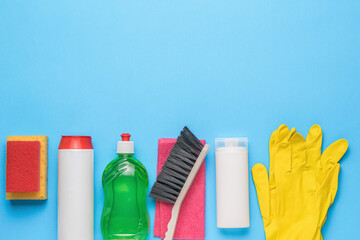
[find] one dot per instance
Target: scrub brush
(178, 173)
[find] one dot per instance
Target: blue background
(226, 68)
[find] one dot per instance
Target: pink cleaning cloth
(191, 221)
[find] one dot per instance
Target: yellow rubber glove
(302, 184)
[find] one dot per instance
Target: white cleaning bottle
(232, 182)
(76, 188)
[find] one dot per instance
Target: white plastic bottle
(232, 182)
(75, 188)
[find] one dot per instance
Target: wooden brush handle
(176, 208)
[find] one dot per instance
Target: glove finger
(292, 132)
(272, 158)
(283, 134)
(282, 163)
(273, 144)
(313, 145)
(333, 154)
(328, 191)
(298, 155)
(261, 181)
(282, 138)
(334, 182)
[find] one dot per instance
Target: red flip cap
(125, 137)
(75, 142)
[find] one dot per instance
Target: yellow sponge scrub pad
(41, 194)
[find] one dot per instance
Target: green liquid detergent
(125, 183)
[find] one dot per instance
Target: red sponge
(23, 166)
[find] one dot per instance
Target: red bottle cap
(75, 142)
(125, 137)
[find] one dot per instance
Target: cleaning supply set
(302, 184)
(294, 198)
(125, 181)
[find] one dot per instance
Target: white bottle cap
(230, 144)
(125, 146)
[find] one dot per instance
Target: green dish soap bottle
(125, 181)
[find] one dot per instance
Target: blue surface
(226, 68)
